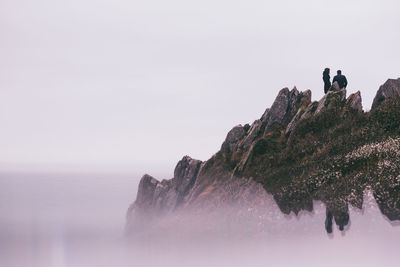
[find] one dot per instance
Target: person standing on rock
(341, 80)
(327, 80)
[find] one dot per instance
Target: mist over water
(78, 220)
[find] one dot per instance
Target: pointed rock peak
(264, 116)
(148, 179)
(283, 91)
(307, 94)
(285, 107)
(233, 138)
(389, 90)
(354, 101)
(185, 173)
(294, 91)
(146, 190)
(185, 163)
(185, 158)
(304, 101)
(304, 98)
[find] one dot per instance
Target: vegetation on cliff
(300, 151)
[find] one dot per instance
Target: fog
(53, 219)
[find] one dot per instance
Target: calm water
(78, 220)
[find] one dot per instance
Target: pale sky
(136, 85)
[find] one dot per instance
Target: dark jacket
(327, 81)
(341, 80)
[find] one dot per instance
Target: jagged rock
(390, 89)
(354, 101)
(233, 138)
(305, 103)
(279, 109)
(285, 107)
(253, 133)
(315, 107)
(264, 115)
(185, 174)
(160, 191)
(305, 99)
(331, 160)
(165, 196)
(147, 187)
(310, 110)
(330, 99)
(334, 87)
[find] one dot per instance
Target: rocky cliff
(299, 151)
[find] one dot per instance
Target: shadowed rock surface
(232, 139)
(354, 101)
(299, 152)
(389, 90)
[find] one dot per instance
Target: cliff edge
(298, 151)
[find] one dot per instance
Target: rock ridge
(298, 151)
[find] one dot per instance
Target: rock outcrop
(298, 151)
(185, 174)
(165, 196)
(354, 101)
(285, 107)
(253, 133)
(233, 138)
(389, 90)
(330, 100)
(147, 187)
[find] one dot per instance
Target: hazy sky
(136, 85)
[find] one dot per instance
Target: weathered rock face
(185, 175)
(164, 196)
(328, 101)
(253, 133)
(285, 107)
(297, 151)
(233, 138)
(141, 211)
(354, 101)
(389, 90)
(147, 187)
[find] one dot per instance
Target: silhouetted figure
(328, 221)
(327, 80)
(342, 219)
(340, 79)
